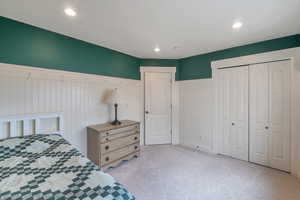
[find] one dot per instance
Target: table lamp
(112, 97)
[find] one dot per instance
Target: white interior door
(158, 111)
(234, 96)
(259, 113)
(270, 114)
(279, 112)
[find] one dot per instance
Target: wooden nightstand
(109, 145)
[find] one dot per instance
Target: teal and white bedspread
(48, 167)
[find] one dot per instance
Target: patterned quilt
(48, 167)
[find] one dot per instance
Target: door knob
(266, 127)
(232, 124)
(147, 112)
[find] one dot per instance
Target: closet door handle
(266, 127)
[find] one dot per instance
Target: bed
(46, 166)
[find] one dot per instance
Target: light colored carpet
(175, 173)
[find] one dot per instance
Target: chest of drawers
(109, 145)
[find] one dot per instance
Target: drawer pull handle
(136, 126)
(107, 133)
(107, 139)
(135, 147)
(135, 138)
(107, 159)
(106, 147)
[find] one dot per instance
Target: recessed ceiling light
(237, 25)
(70, 12)
(157, 49)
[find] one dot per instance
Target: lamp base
(116, 122)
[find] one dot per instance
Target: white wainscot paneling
(196, 113)
(27, 90)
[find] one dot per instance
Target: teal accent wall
(23, 44)
(162, 63)
(198, 67)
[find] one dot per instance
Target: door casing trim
(174, 102)
(291, 54)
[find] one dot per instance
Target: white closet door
(158, 108)
(239, 112)
(234, 95)
(279, 112)
(259, 113)
(270, 114)
(224, 103)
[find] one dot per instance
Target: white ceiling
(136, 27)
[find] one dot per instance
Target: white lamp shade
(111, 96)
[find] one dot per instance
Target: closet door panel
(233, 93)
(279, 112)
(239, 112)
(224, 88)
(259, 97)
